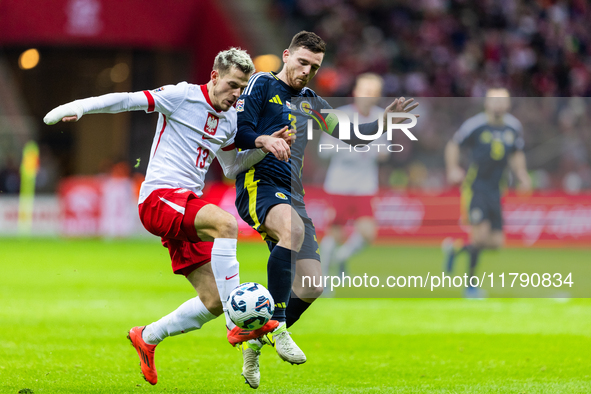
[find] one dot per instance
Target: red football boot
(146, 354)
(238, 335)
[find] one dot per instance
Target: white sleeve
(111, 103)
(114, 103)
(164, 100)
(167, 99)
(234, 162)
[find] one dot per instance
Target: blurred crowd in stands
(450, 48)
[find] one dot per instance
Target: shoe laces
(285, 335)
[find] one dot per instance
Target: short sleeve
(250, 104)
(166, 99)
(464, 135)
(518, 127)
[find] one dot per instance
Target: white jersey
(189, 135)
(352, 173)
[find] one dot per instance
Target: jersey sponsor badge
(158, 90)
(305, 107)
(240, 105)
(288, 105)
(281, 196)
(211, 124)
(486, 137)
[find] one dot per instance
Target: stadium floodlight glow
(266, 63)
(119, 72)
(28, 59)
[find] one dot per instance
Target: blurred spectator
(10, 177)
(454, 47)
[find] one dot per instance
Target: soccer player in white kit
(196, 123)
(352, 180)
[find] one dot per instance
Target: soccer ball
(250, 306)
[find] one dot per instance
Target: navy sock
(280, 273)
(465, 248)
(295, 308)
(474, 253)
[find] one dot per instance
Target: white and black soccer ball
(250, 306)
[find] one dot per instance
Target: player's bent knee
(298, 231)
(227, 227)
(479, 241)
(498, 244)
(312, 292)
(213, 304)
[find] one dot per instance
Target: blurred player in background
(196, 124)
(495, 139)
(270, 195)
(351, 181)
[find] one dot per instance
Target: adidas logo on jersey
(276, 100)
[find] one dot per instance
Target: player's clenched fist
(66, 113)
(277, 143)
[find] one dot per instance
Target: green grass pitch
(66, 306)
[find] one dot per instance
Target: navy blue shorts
(486, 206)
(254, 199)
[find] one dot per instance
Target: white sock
(327, 248)
(353, 245)
(190, 316)
(226, 271)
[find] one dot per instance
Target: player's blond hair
(233, 57)
(497, 92)
(369, 77)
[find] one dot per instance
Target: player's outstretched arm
(455, 173)
(69, 112)
(111, 103)
(519, 168)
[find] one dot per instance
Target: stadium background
(429, 48)
(424, 49)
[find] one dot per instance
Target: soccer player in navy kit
(269, 196)
(495, 139)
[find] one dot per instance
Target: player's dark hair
(310, 41)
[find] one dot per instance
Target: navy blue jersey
(490, 147)
(265, 107)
